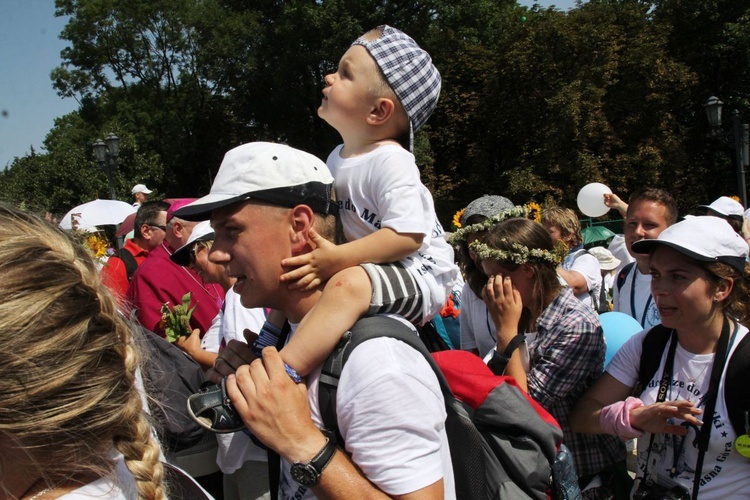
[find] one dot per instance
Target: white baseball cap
(141, 188)
(269, 172)
(201, 232)
(726, 206)
(704, 238)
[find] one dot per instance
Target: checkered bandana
(408, 70)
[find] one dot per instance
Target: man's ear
(381, 112)
(302, 218)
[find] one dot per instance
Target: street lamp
(739, 138)
(106, 153)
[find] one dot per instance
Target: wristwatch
(308, 473)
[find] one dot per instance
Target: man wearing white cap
(266, 204)
(140, 193)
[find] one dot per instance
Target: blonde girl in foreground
(71, 419)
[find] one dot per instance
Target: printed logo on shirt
(367, 216)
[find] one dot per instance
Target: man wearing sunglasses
(149, 229)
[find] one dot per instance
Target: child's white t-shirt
(382, 189)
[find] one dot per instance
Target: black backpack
(170, 376)
(503, 444)
(736, 386)
(130, 263)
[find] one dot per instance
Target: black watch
(308, 473)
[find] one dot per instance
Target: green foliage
(535, 102)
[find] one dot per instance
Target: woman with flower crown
(564, 338)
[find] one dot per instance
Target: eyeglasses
(163, 228)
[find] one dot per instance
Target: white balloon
(591, 199)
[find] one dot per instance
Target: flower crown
(519, 254)
(518, 211)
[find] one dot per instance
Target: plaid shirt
(567, 356)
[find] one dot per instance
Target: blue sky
(29, 50)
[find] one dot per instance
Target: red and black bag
(503, 443)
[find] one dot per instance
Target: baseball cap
(607, 261)
(703, 238)
(140, 188)
(269, 172)
(409, 71)
(201, 232)
(488, 205)
(726, 206)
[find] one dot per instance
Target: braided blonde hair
(67, 361)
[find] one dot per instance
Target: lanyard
(642, 321)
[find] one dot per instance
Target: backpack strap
(654, 344)
(622, 276)
(736, 387)
(130, 263)
(365, 329)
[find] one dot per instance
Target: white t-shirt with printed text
(382, 189)
(726, 474)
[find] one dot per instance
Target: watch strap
(324, 456)
(499, 362)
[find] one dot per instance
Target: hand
(504, 304)
(234, 355)
(654, 418)
(313, 268)
(190, 344)
(274, 408)
(613, 201)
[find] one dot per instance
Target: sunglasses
(163, 228)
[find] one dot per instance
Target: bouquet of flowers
(176, 321)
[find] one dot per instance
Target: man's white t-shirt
(382, 189)
(391, 413)
(237, 448)
(646, 313)
(725, 472)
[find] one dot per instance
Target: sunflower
(97, 245)
(535, 210)
(457, 218)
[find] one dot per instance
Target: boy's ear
(381, 111)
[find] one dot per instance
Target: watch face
(305, 474)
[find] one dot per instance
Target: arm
(574, 279)
(585, 417)
(277, 412)
(504, 304)
(313, 268)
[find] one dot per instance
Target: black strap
(364, 330)
(274, 459)
(654, 344)
(704, 437)
(623, 275)
(499, 362)
(127, 258)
